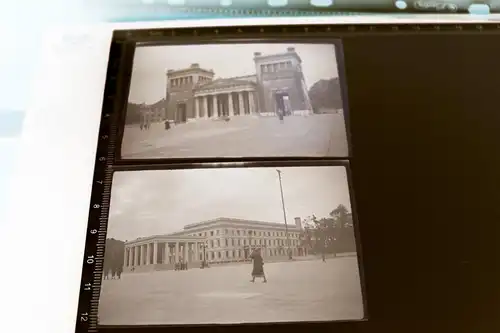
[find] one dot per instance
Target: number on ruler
(96, 206)
(102, 159)
(84, 316)
(93, 231)
(90, 260)
(104, 137)
(99, 182)
(87, 286)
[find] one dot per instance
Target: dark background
(424, 116)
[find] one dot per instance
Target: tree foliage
(114, 255)
(332, 234)
(133, 115)
(326, 94)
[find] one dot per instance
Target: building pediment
(224, 83)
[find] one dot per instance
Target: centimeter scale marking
(87, 317)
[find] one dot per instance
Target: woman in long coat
(258, 266)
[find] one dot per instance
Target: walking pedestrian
(258, 266)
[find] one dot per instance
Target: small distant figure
(113, 274)
(167, 125)
(119, 272)
(133, 268)
(281, 116)
(142, 126)
(258, 266)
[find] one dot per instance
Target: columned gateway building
(278, 84)
(222, 240)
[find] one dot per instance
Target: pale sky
(147, 203)
(227, 60)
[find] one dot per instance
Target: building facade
(223, 240)
(278, 84)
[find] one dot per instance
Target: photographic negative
(235, 100)
(230, 245)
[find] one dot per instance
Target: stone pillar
(205, 107)
(155, 253)
(186, 252)
(241, 103)
(125, 257)
(144, 251)
(136, 255)
(197, 251)
(148, 254)
(251, 101)
(214, 106)
(230, 104)
(130, 257)
(176, 252)
(166, 254)
(197, 107)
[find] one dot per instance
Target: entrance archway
(282, 102)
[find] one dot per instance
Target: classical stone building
(221, 240)
(278, 84)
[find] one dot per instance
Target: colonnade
(162, 253)
(219, 100)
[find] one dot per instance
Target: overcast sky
(146, 203)
(152, 62)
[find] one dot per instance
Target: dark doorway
(282, 102)
(181, 114)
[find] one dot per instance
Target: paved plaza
(296, 291)
(315, 135)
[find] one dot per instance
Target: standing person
(119, 272)
(258, 265)
(281, 116)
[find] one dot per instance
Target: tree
(332, 234)
(133, 114)
(113, 255)
(326, 95)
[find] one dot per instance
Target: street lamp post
(284, 215)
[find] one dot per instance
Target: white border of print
(49, 204)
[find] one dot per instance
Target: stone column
(144, 249)
(148, 254)
(197, 107)
(241, 103)
(205, 107)
(214, 106)
(251, 101)
(166, 254)
(155, 253)
(186, 252)
(136, 255)
(230, 106)
(197, 251)
(176, 252)
(130, 257)
(125, 257)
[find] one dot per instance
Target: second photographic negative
(221, 246)
(235, 100)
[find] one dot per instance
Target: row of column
(203, 101)
(147, 254)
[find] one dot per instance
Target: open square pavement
(315, 135)
(296, 291)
